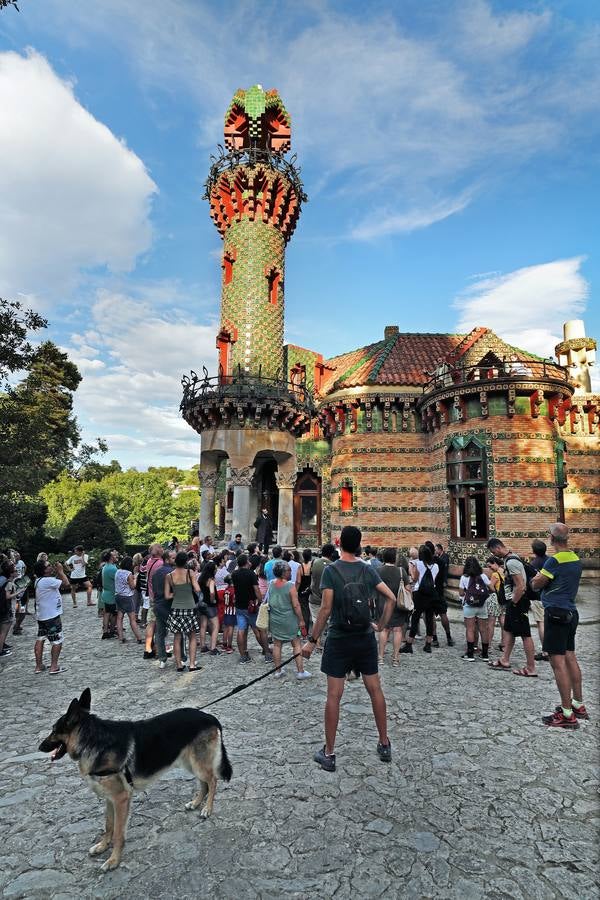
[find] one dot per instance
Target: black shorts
(559, 637)
(110, 608)
(440, 606)
(516, 621)
(77, 582)
(355, 652)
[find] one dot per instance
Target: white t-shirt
(48, 598)
(421, 567)
(294, 566)
(78, 563)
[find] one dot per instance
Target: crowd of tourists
(348, 605)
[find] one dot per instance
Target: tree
(5, 3)
(16, 353)
(92, 527)
(38, 437)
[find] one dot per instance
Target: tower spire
(248, 413)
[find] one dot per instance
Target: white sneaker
(162, 664)
(302, 675)
(279, 673)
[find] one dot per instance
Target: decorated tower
(248, 414)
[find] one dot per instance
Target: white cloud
(529, 306)
(133, 397)
(381, 223)
(74, 196)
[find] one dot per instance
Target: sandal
(525, 673)
(182, 669)
(498, 665)
(193, 669)
(55, 671)
(39, 671)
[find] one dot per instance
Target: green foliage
(92, 526)
(37, 439)
(141, 503)
(15, 320)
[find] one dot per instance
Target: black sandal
(182, 669)
(195, 669)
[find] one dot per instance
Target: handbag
(404, 599)
(262, 619)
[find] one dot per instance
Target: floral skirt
(493, 607)
(183, 621)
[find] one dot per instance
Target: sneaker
(215, 652)
(406, 649)
(7, 646)
(468, 658)
(149, 654)
(279, 673)
(427, 648)
(580, 713)
(541, 657)
(227, 649)
(436, 643)
(326, 762)
(384, 751)
(302, 675)
(559, 720)
(6, 651)
(246, 658)
(451, 642)
(204, 649)
(162, 664)
(268, 657)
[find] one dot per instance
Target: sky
(449, 151)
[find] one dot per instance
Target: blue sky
(449, 151)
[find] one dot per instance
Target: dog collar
(105, 772)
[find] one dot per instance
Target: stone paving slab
(480, 800)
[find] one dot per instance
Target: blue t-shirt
(564, 571)
(269, 568)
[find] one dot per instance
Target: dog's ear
(72, 714)
(85, 701)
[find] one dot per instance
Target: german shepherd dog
(117, 758)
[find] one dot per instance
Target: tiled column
(241, 479)
(208, 486)
(285, 511)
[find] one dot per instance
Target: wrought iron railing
(254, 156)
(446, 376)
(243, 386)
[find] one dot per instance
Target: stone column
(285, 510)
(241, 479)
(208, 486)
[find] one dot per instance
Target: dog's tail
(225, 768)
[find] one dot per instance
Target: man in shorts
(247, 600)
(314, 600)
(77, 575)
(516, 619)
(49, 580)
(349, 650)
(559, 582)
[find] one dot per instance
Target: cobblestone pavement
(480, 799)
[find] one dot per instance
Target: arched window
(466, 476)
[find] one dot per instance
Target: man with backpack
(346, 589)
(517, 575)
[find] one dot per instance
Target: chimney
(390, 331)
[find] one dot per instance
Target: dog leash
(242, 687)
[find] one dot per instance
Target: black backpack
(427, 592)
(476, 592)
(355, 610)
(530, 572)
(501, 593)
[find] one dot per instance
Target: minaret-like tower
(249, 414)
